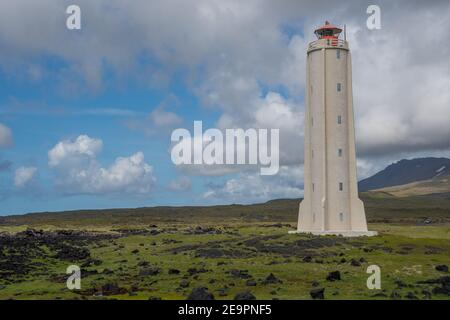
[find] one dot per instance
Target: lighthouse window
(313, 187)
(339, 119)
(341, 186)
(312, 121)
(338, 54)
(341, 216)
(312, 153)
(340, 152)
(338, 87)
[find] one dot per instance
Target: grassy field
(164, 253)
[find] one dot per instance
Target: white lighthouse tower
(331, 204)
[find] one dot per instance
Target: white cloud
(273, 112)
(78, 172)
(6, 137)
(183, 183)
(159, 120)
(162, 119)
(252, 187)
(233, 52)
(67, 150)
(23, 176)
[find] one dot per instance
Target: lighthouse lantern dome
(327, 31)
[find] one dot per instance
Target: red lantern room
(328, 31)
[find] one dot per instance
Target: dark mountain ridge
(407, 171)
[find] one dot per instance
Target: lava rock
(72, 253)
(271, 279)
(150, 271)
(317, 294)
(111, 289)
(200, 293)
(194, 271)
(247, 295)
(395, 295)
(250, 283)
(442, 268)
(334, 275)
(411, 296)
(355, 263)
(174, 271)
(184, 283)
(243, 274)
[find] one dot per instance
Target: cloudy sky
(86, 115)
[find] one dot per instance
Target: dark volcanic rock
(355, 263)
(247, 295)
(149, 271)
(443, 281)
(400, 284)
(200, 293)
(25, 247)
(243, 274)
(221, 253)
(426, 294)
(184, 283)
(396, 295)
(442, 290)
(89, 262)
(379, 294)
(442, 268)
(111, 289)
(72, 253)
(411, 296)
(250, 283)
(203, 230)
(222, 292)
(317, 293)
(174, 271)
(334, 275)
(194, 271)
(271, 279)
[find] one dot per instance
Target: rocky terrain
(230, 261)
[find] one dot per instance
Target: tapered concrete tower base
(331, 205)
(338, 233)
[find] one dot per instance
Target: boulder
(334, 275)
(247, 295)
(442, 268)
(200, 293)
(317, 293)
(271, 279)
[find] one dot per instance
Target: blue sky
(40, 117)
(86, 115)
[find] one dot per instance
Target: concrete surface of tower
(331, 204)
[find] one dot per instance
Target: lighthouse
(331, 205)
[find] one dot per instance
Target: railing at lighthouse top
(332, 42)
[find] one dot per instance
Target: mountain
(419, 176)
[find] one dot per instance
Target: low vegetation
(226, 252)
